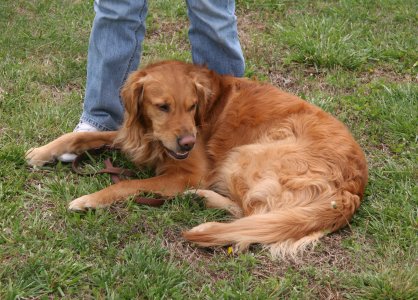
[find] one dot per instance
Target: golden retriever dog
(286, 170)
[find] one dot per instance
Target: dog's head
(167, 100)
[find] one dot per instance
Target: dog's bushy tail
(285, 232)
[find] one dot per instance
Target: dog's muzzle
(184, 145)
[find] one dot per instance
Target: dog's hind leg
(215, 200)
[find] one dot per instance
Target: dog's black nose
(186, 142)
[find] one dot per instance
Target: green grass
(355, 59)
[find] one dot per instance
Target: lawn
(357, 60)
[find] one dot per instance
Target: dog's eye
(193, 107)
(164, 107)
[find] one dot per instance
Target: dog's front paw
(82, 203)
(39, 156)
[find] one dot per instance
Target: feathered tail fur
(285, 232)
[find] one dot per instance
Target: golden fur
(288, 171)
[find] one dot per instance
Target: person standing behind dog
(116, 43)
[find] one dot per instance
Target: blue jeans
(115, 48)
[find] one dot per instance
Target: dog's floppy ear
(203, 81)
(132, 94)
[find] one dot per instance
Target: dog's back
(295, 171)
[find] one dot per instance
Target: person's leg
(114, 51)
(213, 35)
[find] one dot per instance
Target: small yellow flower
(230, 250)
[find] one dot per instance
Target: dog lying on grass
(286, 170)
